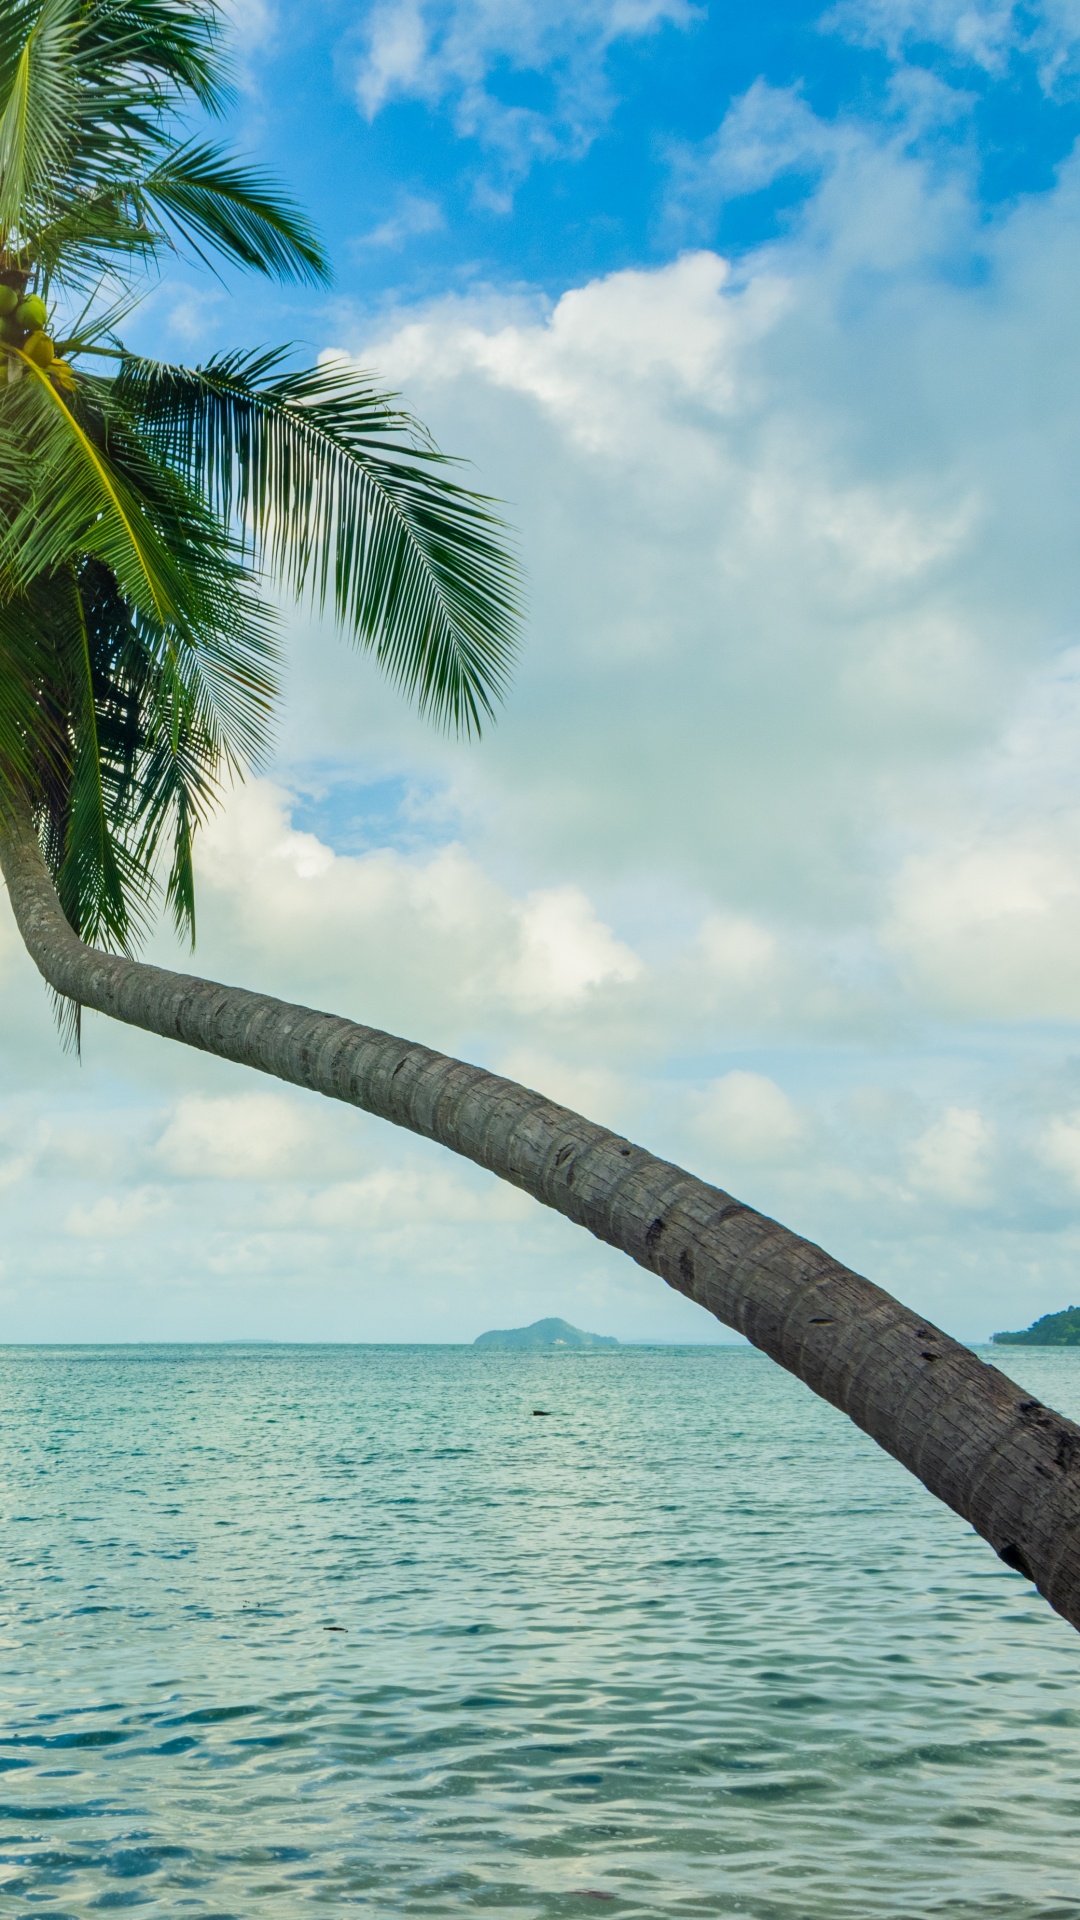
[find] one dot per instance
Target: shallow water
(690, 1645)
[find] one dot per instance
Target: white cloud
(746, 1117)
(950, 1159)
(1060, 1146)
(614, 362)
(253, 23)
(985, 916)
(993, 928)
(737, 951)
(396, 1199)
(243, 1136)
(767, 132)
(788, 777)
(566, 951)
(982, 33)
(116, 1215)
(413, 217)
(382, 929)
(444, 52)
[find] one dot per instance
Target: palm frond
(212, 201)
(76, 500)
(36, 84)
(100, 890)
(73, 244)
(181, 48)
(137, 657)
(31, 729)
(346, 502)
(90, 165)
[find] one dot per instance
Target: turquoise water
(690, 1645)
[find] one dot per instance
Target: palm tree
(142, 504)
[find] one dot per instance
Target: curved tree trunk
(1001, 1459)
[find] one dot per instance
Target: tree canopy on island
(1053, 1330)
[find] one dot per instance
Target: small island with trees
(1053, 1330)
(545, 1333)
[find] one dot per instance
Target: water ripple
(305, 1628)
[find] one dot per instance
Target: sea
(431, 1630)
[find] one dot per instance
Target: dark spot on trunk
(563, 1156)
(727, 1212)
(686, 1267)
(653, 1236)
(930, 1356)
(1013, 1558)
(1068, 1446)
(821, 1320)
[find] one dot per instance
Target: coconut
(9, 299)
(31, 312)
(39, 348)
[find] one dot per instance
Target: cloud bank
(772, 859)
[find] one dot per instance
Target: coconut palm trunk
(999, 1458)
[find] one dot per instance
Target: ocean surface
(352, 1629)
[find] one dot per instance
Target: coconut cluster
(22, 324)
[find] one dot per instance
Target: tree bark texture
(1008, 1464)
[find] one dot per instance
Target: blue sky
(539, 146)
(764, 325)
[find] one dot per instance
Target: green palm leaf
(137, 656)
(210, 200)
(179, 48)
(31, 726)
(76, 499)
(346, 503)
(36, 82)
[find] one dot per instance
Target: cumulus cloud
(985, 916)
(746, 1117)
(766, 133)
(950, 1160)
(243, 1136)
(385, 930)
(993, 927)
(115, 1215)
(773, 849)
(565, 951)
(1060, 1146)
(393, 1199)
(444, 52)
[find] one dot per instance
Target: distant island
(545, 1333)
(1053, 1330)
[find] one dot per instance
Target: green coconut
(31, 312)
(39, 348)
(9, 299)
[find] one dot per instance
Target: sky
(765, 325)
